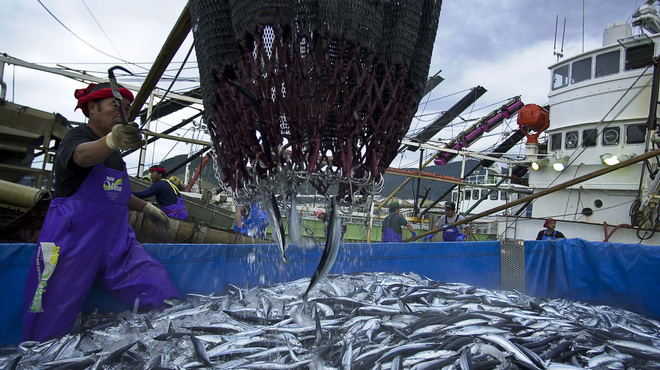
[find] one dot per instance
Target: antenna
(559, 54)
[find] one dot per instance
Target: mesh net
(320, 92)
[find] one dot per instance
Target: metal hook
(115, 91)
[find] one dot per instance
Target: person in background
(167, 194)
(251, 220)
(456, 233)
(86, 235)
(324, 217)
(392, 224)
(550, 233)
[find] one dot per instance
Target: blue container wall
(619, 275)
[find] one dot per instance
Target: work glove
(445, 227)
(414, 234)
(157, 217)
(125, 137)
(428, 237)
(460, 238)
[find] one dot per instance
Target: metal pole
(417, 206)
(146, 126)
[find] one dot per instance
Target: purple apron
(450, 234)
(176, 210)
(389, 235)
(87, 237)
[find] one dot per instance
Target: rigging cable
(80, 38)
(102, 30)
(169, 88)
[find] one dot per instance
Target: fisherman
(86, 235)
(455, 233)
(550, 233)
(324, 217)
(251, 220)
(167, 193)
(392, 225)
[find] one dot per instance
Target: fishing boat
(600, 128)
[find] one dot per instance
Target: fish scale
(467, 327)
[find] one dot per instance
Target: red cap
(545, 224)
(318, 213)
(95, 92)
(158, 168)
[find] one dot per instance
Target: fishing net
(317, 92)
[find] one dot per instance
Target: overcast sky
(505, 46)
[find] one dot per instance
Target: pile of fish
(359, 321)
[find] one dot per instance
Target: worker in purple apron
(452, 233)
(549, 233)
(167, 194)
(392, 225)
(86, 236)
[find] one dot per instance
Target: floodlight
(609, 159)
(540, 163)
(560, 164)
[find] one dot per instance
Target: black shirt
(556, 234)
(68, 175)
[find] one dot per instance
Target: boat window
(484, 192)
(589, 137)
(581, 70)
(571, 139)
(635, 134)
(493, 195)
(639, 57)
(468, 194)
(608, 63)
(560, 77)
(611, 136)
(475, 194)
(454, 196)
(503, 195)
(555, 142)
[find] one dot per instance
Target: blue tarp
(619, 275)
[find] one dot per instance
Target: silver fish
(295, 234)
(506, 344)
(637, 347)
(437, 333)
(200, 350)
(347, 357)
(330, 251)
(275, 220)
(71, 363)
